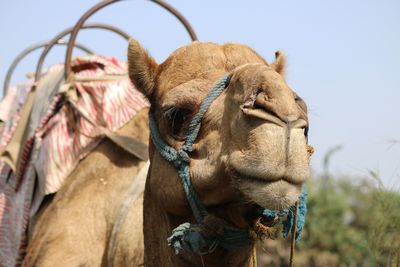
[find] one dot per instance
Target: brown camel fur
(74, 229)
(251, 150)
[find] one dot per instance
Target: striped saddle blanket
(59, 134)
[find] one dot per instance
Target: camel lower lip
(274, 194)
(267, 182)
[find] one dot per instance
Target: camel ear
(142, 68)
(280, 63)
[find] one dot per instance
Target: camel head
(252, 145)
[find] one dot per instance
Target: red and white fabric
(108, 98)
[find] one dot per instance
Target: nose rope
(288, 129)
(290, 215)
(195, 238)
(293, 241)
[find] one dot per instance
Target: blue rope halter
(186, 237)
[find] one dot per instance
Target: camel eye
(177, 120)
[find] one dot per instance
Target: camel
(250, 152)
(73, 227)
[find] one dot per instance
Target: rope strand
(189, 237)
(293, 241)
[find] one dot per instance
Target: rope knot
(185, 238)
(205, 237)
(183, 155)
(212, 226)
(187, 147)
(210, 232)
(289, 214)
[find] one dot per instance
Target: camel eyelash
(177, 118)
(170, 112)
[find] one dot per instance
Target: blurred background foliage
(351, 221)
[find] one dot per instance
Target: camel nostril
(264, 103)
(261, 96)
(250, 102)
(261, 100)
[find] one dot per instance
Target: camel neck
(158, 225)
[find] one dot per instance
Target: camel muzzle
(187, 237)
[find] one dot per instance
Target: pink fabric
(14, 206)
(110, 104)
(14, 218)
(59, 143)
(10, 108)
(14, 99)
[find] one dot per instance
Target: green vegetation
(355, 221)
(351, 222)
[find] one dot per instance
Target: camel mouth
(273, 194)
(264, 181)
(271, 117)
(263, 115)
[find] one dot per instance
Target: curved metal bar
(29, 50)
(94, 9)
(68, 31)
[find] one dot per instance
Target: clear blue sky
(344, 58)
